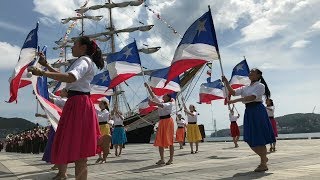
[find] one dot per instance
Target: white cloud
(10, 55)
(300, 44)
(12, 27)
(316, 26)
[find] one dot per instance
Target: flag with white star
(27, 54)
(145, 107)
(157, 80)
(124, 64)
(212, 91)
(240, 75)
(99, 85)
(198, 46)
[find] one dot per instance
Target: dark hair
(105, 103)
(271, 101)
(93, 51)
(267, 91)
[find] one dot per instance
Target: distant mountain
(14, 125)
(287, 124)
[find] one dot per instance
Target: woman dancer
(270, 111)
(181, 130)
(193, 131)
(234, 128)
(256, 125)
(119, 134)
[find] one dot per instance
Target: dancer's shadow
(217, 157)
(248, 175)
(184, 154)
(155, 166)
(229, 148)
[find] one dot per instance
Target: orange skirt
(180, 134)
(165, 132)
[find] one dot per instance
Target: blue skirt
(257, 129)
(119, 135)
(47, 151)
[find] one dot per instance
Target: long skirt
(193, 133)
(47, 151)
(257, 129)
(180, 134)
(104, 129)
(165, 133)
(119, 136)
(77, 133)
(274, 126)
(234, 128)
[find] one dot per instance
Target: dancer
(119, 134)
(257, 130)
(104, 117)
(78, 131)
(193, 131)
(270, 111)
(165, 131)
(234, 128)
(181, 130)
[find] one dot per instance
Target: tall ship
(139, 127)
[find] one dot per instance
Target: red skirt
(77, 133)
(234, 128)
(165, 132)
(180, 134)
(274, 126)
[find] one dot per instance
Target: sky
(282, 38)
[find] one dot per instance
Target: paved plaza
(294, 159)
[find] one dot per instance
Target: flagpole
(219, 58)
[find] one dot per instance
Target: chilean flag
(145, 107)
(124, 64)
(40, 88)
(198, 46)
(240, 75)
(212, 91)
(27, 54)
(157, 82)
(99, 85)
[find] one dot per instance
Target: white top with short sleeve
(59, 101)
(83, 71)
(181, 122)
(117, 120)
(257, 89)
(103, 116)
(193, 118)
(270, 111)
(166, 109)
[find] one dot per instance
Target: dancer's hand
(224, 79)
(42, 59)
(35, 71)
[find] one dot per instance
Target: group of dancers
(78, 134)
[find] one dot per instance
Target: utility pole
(215, 127)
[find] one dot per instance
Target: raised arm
(185, 107)
(226, 83)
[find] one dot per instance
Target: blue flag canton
(42, 87)
(163, 73)
(241, 69)
(215, 84)
(201, 31)
(32, 39)
(129, 54)
(102, 79)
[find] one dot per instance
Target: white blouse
(117, 120)
(181, 123)
(83, 71)
(233, 118)
(103, 116)
(193, 118)
(166, 110)
(59, 101)
(270, 111)
(257, 89)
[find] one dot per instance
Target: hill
(14, 125)
(288, 124)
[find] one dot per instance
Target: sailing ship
(139, 127)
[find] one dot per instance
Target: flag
(157, 80)
(27, 54)
(198, 46)
(124, 64)
(145, 107)
(240, 75)
(52, 111)
(212, 91)
(99, 85)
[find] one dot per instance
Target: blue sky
(282, 38)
